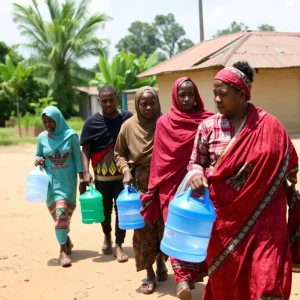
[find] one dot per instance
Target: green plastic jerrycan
(91, 203)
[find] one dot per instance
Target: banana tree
(122, 71)
(14, 79)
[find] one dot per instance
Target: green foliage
(75, 123)
(41, 104)
(31, 120)
(171, 35)
(142, 39)
(164, 35)
(233, 28)
(11, 51)
(266, 27)
(68, 36)
(122, 71)
(237, 27)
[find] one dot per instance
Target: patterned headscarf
(236, 79)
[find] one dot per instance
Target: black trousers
(110, 191)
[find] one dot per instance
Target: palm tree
(59, 43)
(14, 79)
(122, 71)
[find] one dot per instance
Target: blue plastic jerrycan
(129, 206)
(37, 185)
(188, 227)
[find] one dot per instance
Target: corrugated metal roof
(260, 49)
(90, 90)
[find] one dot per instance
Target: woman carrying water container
(58, 151)
(174, 136)
(246, 157)
(133, 152)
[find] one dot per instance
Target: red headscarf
(173, 144)
(235, 78)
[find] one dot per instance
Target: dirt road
(29, 268)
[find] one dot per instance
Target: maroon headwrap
(236, 79)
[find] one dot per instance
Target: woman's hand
(82, 188)
(87, 178)
(127, 179)
(39, 162)
(198, 183)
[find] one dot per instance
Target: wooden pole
(201, 21)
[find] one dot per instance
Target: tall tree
(68, 36)
(11, 51)
(142, 39)
(122, 71)
(266, 27)
(233, 28)
(15, 78)
(171, 35)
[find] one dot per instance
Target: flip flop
(66, 262)
(148, 287)
(161, 274)
(107, 249)
(183, 291)
(121, 257)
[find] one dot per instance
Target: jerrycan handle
(205, 197)
(128, 188)
(91, 188)
(40, 168)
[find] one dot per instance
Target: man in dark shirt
(98, 139)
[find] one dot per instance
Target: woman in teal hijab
(58, 151)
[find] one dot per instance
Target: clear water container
(37, 185)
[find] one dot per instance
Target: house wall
(95, 107)
(202, 79)
(84, 106)
(275, 90)
(131, 102)
(278, 92)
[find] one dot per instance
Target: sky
(218, 14)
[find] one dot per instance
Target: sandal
(161, 274)
(107, 249)
(183, 291)
(148, 287)
(121, 257)
(65, 262)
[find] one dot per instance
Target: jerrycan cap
(186, 205)
(129, 196)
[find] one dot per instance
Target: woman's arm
(76, 153)
(121, 156)
(39, 157)
(199, 160)
(86, 156)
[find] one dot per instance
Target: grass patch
(76, 123)
(9, 137)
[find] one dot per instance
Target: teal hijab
(62, 130)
